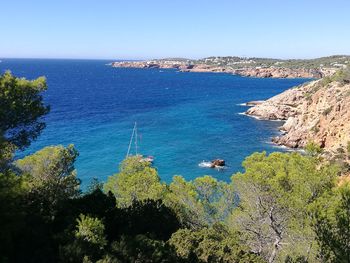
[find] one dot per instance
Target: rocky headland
(318, 111)
(258, 72)
(248, 67)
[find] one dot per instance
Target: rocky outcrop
(258, 72)
(318, 111)
(254, 103)
(146, 64)
(281, 72)
(280, 107)
(218, 163)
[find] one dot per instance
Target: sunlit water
(183, 118)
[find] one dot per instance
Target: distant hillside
(337, 61)
(249, 67)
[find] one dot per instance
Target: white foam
(286, 148)
(205, 164)
(258, 118)
(251, 116)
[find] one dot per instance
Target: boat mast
(132, 137)
(135, 138)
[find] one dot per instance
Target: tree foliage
(313, 149)
(275, 194)
(136, 181)
(211, 244)
(201, 202)
(342, 76)
(21, 109)
(91, 230)
(50, 177)
(332, 225)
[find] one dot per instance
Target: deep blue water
(183, 118)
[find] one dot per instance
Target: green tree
(211, 244)
(216, 197)
(275, 194)
(50, 177)
(200, 202)
(183, 198)
(91, 230)
(6, 154)
(21, 109)
(332, 225)
(89, 241)
(313, 149)
(136, 181)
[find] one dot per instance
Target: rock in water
(218, 162)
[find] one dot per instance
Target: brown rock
(218, 162)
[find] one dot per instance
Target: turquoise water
(183, 118)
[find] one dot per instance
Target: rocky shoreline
(318, 111)
(258, 72)
(248, 67)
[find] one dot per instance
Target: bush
(342, 76)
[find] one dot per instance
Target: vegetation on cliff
(342, 76)
(331, 61)
(250, 67)
(284, 207)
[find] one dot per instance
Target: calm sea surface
(183, 118)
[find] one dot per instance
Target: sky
(145, 29)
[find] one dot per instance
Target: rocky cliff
(318, 112)
(258, 72)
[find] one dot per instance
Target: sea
(182, 118)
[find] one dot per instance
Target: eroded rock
(312, 112)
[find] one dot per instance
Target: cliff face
(258, 72)
(318, 111)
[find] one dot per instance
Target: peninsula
(248, 67)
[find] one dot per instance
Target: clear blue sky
(130, 29)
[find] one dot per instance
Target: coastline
(316, 112)
(281, 132)
(246, 67)
(253, 72)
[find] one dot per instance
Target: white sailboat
(134, 138)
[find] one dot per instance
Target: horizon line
(146, 59)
